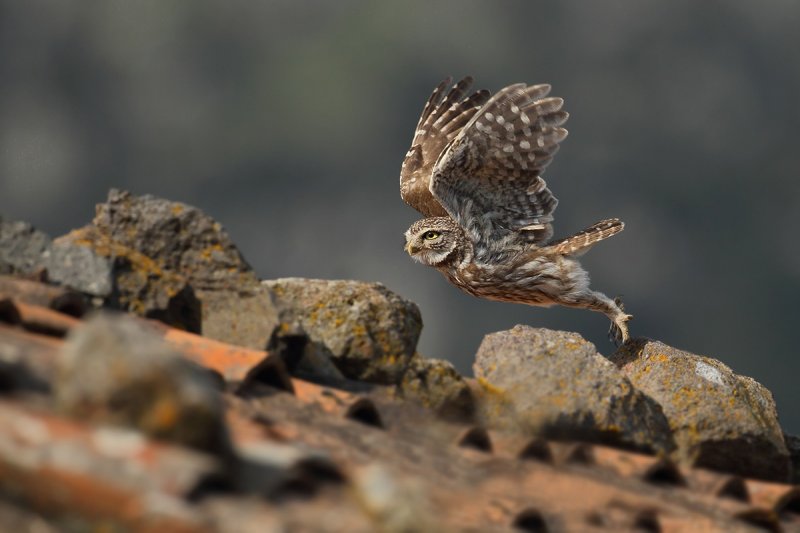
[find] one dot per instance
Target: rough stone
(87, 260)
(21, 247)
(113, 371)
(397, 503)
(437, 385)
(793, 445)
(73, 263)
(719, 420)
(369, 332)
(246, 317)
(177, 237)
(555, 384)
(184, 243)
(304, 358)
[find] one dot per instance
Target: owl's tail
(580, 243)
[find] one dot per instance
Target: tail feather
(585, 239)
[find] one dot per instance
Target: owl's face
(432, 241)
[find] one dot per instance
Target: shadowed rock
(303, 358)
(192, 246)
(113, 371)
(178, 237)
(437, 384)
(88, 261)
(368, 331)
(555, 384)
(720, 420)
(246, 317)
(168, 261)
(793, 445)
(21, 247)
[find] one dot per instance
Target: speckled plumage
(474, 169)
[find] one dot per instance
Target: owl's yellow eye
(430, 235)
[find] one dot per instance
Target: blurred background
(288, 121)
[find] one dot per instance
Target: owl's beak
(410, 249)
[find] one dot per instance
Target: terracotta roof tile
(310, 456)
(42, 319)
(33, 292)
(62, 466)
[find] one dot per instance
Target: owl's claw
(618, 331)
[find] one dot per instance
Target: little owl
(474, 170)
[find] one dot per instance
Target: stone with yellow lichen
(184, 241)
(719, 419)
(119, 277)
(555, 384)
(436, 384)
(367, 331)
(177, 237)
(169, 261)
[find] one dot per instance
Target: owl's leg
(613, 309)
(618, 331)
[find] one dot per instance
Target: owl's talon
(618, 331)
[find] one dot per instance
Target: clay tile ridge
(475, 478)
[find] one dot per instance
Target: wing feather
(488, 178)
(443, 116)
(433, 102)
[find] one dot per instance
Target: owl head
(433, 241)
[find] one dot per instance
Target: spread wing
(489, 177)
(442, 118)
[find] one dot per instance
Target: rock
(245, 318)
(305, 359)
(21, 247)
(793, 445)
(177, 237)
(437, 385)
(720, 420)
(113, 371)
(75, 264)
(185, 242)
(87, 260)
(555, 384)
(395, 502)
(368, 331)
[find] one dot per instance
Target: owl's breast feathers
(530, 278)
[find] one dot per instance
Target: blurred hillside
(287, 121)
